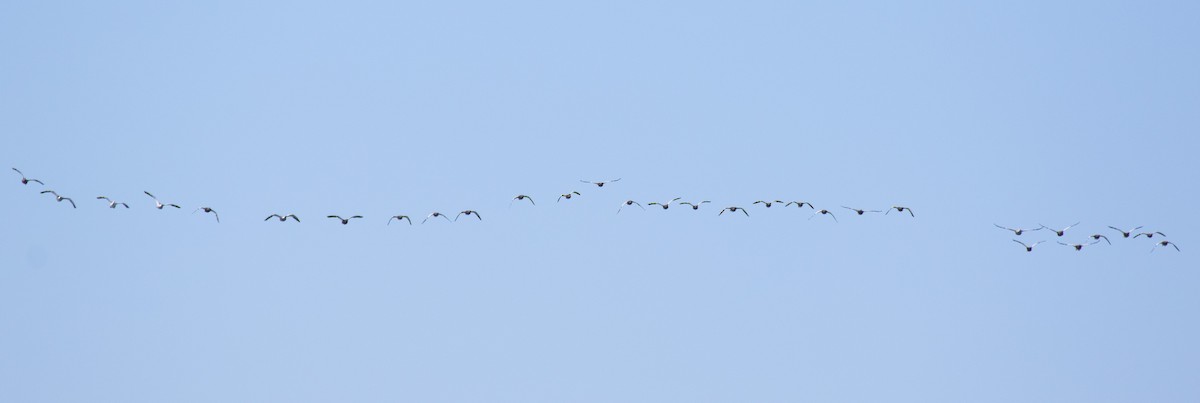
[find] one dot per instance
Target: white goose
(25, 181)
(823, 212)
(1125, 233)
(599, 183)
(767, 203)
(629, 203)
(111, 203)
(1098, 236)
(60, 198)
(1017, 231)
(565, 196)
(435, 214)
(1079, 246)
(665, 205)
(1149, 234)
(901, 209)
(1059, 232)
(1164, 243)
(734, 209)
(695, 206)
(399, 217)
(159, 205)
(468, 214)
(282, 218)
(1028, 248)
(209, 210)
(521, 197)
(799, 204)
(344, 220)
(861, 211)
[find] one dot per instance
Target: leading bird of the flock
(696, 205)
(435, 214)
(734, 209)
(1098, 236)
(565, 196)
(521, 197)
(1028, 248)
(111, 203)
(1124, 232)
(344, 220)
(861, 211)
(399, 217)
(1149, 234)
(1059, 232)
(282, 218)
(159, 205)
(1017, 231)
(665, 205)
(1164, 243)
(799, 204)
(901, 209)
(600, 184)
(60, 198)
(766, 203)
(1079, 246)
(210, 210)
(468, 213)
(629, 203)
(25, 181)
(823, 212)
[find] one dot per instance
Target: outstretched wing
(1022, 243)
(72, 202)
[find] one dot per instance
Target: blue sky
(1016, 113)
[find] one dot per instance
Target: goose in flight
(665, 205)
(629, 203)
(901, 209)
(823, 212)
(344, 220)
(1028, 248)
(25, 181)
(159, 205)
(799, 204)
(1017, 231)
(60, 198)
(1098, 236)
(565, 195)
(112, 203)
(435, 214)
(695, 206)
(468, 214)
(600, 184)
(767, 204)
(521, 197)
(282, 218)
(1124, 232)
(1079, 246)
(1150, 234)
(861, 211)
(399, 217)
(210, 210)
(1164, 243)
(734, 209)
(1059, 232)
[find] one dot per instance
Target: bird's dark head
(1079, 247)
(1029, 249)
(695, 207)
(1018, 232)
(600, 184)
(1060, 233)
(665, 206)
(860, 212)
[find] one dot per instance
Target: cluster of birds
(1091, 239)
(695, 205)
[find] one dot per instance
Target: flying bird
(901, 209)
(629, 203)
(665, 205)
(1150, 234)
(468, 214)
(1164, 243)
(521, 197)
(695, 206)
(799, 204)
(823, 212)
(1017, 231)
(1059, 232)
(767, 203)
(282, 218)
(1098, 236)
(157, 204)
(1124, 232)
(112, 203)
(210, 210)
(861, 211)
(1028, 248)
(734, 209)
(1079, 246)
(399, 217)
(60, 198)
(344, 220)
(565, 195)
(599, 183)
(435, 214)
(25, 181)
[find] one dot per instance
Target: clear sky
(1015, 113)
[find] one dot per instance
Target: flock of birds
(695, 205)
(1091, 239)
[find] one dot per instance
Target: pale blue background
(998, 112)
